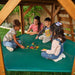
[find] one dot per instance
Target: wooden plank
(2, 68)
(44, 7)
(64, 19)
(28, 10)
(66, 31)
(22, 19)
(55, 13)
(68, 37)
(69, 7)
(73, 68)
(63, 12)
(7, 9)
(67, 26)
(36, 4)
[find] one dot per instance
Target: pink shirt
(35, 27)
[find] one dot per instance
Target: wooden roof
(32, 1)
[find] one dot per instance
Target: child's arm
(31, 33)
(55, 45)
(15, 40)
(40, 33)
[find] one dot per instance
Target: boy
(10, 41)
(46, 36)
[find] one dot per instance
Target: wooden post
(72, 32)
(56, 12)
(22, 19)
(52, 12)
(2, 68)
(7, 9)
(73, 69)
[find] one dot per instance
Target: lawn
(2, 33)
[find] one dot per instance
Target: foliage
(33, 12)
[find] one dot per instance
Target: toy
(44, 49)
(32, 46)
(37, 47)
(27, 47)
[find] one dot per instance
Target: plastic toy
(32, 46)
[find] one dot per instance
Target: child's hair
(47, 19)
(57, 31)
(16, 22)
(39, 22)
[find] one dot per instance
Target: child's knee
(9, 44)
(19, 41)
(44, 41)
(43, 54)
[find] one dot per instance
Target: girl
(36, 26)
(58, 38)
(10, 41)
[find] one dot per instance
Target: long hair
(57, 32)
(39, 22)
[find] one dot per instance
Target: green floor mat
(31, 60)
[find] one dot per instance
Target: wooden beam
(7, 9)
(22, 19)
(2, 68)
(52, 12)
(44, 7)
(28, 10)
(73, 69)
(69, 7)
(55, 13)
(36, 4)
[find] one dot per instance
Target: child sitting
(46, 36)
(36, 26)
(10, 41)
(58, 40)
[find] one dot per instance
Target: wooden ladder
(69, 6)
(67, 24)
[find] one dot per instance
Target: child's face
(47, 23)
(17, 28)
(35, 21)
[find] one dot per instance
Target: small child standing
(10, 41)
(58, 39)
(46, 36)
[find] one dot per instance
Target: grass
(2, 33)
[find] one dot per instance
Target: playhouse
(29, 60)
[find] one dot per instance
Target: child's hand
(22, 47)
(36, 37)
(17, 38)
(43, 49)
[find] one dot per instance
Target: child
(36, 26)
(10, 41)
(46, 36)
(58, 40)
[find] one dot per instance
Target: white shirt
(55, 48)
(9, 35)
